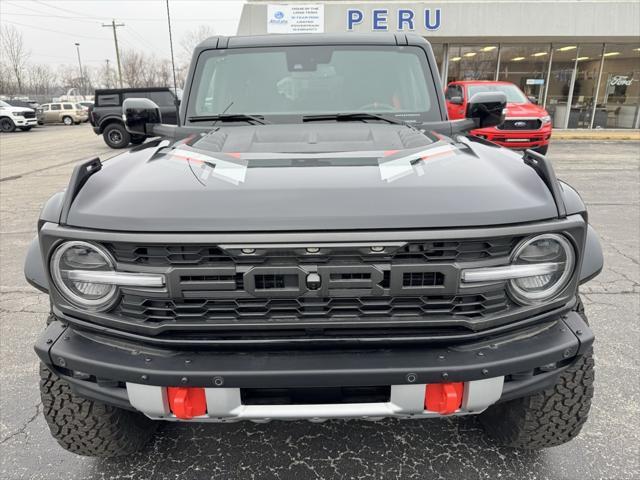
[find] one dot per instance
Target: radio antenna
(173, 68)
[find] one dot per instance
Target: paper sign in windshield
(397, 165)
(230, 169)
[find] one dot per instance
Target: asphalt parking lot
(34, 165)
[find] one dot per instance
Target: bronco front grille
(275, 290)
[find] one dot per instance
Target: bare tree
(41, 79)
(133, 64)
(193, 38)
(15, 52)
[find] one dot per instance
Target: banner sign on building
(295, 18)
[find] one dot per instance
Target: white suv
(16, 117)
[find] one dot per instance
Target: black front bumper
(97, 367)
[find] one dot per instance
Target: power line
(51, 30)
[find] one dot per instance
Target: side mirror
(139, 115)
(487, 109)
(533, 99)
(456, 100)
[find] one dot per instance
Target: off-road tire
(548, 418)
(116, 136)
(68, 121)
(87, 427)
(138, 139)
(7, 125)
(25, 129)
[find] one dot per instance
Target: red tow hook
(443, 398)
(187, 402)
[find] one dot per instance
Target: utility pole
(108, 73)
(115, 25)
(83, 90)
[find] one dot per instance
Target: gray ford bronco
(314, 240)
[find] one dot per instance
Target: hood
(19, 109)
(525, 110)
(329, 176)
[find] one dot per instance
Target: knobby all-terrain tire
(547, 418)
(91, 428)
(116, 136)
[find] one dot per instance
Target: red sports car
(527, 125)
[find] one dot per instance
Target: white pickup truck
(16, 117)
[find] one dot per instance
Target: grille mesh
(197, 255)
(272, 310)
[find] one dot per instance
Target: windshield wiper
(351, 116)
(230, 117)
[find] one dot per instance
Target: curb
(596, 135)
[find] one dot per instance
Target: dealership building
(578, 58)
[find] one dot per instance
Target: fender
(572, 199)
(34, 270)
(102, 123)
(592, 259)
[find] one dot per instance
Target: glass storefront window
(588, 60)
(559, 82)
(526, 66)
(618, 97)
(472, 62)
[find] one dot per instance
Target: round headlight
(556, 253)
(82, 256)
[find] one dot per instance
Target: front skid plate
(225, 404)
(61, 346)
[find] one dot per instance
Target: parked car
(526, 125)
(106, 114)
(16, 117)
(63, 112)
(297, 249)
(87, 107)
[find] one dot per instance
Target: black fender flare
(34, 270)
(593, 258)
(107, 120)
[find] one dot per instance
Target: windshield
(513, 93)
(312, 80)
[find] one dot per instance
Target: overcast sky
(50, 28)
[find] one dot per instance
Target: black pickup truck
(106, 113)
(312, 244)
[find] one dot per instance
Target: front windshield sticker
(230, 169)
(399, 164)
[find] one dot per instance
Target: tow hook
(443, 398)
(187, 402)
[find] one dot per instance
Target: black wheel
(67, 121)
(541, 150)
(138, 139)
(116, 136)
(548, 418)
(25, 129)
(6, 125)
(40, 123)
(86, 427)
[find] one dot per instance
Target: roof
(312, 39)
